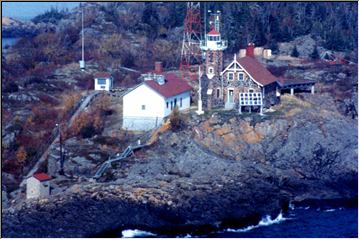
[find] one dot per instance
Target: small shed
(38, 186)
(103, 81)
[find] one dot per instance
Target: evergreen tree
(295, 52)
(315, 54)
(274, 46)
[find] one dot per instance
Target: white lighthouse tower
(213, 46)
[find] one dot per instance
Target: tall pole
(82, 61)
(205, 23)
(82, 33)
(61, 172)
(199, 111)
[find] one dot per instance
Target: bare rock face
(219, 170)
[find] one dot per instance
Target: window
(101, 81)
(181, 102)
(142, 107)
(241, 77)
(211, 57)
(175, 102)
(218, 93)
(171, 105)
(102, 87)
(211, 70)
(167, 104)
(230, 76)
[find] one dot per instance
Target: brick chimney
(250, 50)
(158, 67)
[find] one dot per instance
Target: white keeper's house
(146, 105)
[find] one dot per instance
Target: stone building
(244, 84)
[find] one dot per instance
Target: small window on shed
(101, 81)
(167, 104)
(142, 107)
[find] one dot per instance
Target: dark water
(334, 223)
(299, 222)
(7, 42)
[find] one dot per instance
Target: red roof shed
(41, 177)
(102, 75)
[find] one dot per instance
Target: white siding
(137, 118)
(185, 102)
(106, 87)
(36, 189)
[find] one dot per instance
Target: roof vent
(160, 79)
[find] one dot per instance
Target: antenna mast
(190, 51)
(82, 61)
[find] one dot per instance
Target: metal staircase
(126, 153)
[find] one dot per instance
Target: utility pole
(61, 172)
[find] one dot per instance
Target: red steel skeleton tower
(190, 51)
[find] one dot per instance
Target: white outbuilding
(38, 186)
(146, 105)
(103, 81)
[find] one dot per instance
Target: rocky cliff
(222, 169)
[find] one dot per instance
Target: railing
(220, 44)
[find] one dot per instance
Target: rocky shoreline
(221, 170)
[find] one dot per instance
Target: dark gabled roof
(293, 81)
(173, 85)
(257, 71)
(102, 75)
(41, 177)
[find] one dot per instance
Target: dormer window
(241, 76)
(230, 76)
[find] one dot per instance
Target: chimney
(250, 50)
(158, 67)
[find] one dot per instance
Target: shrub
(176, 119)
(295, 52)
(53, 16)
(315, 54)
(11, 87)
(88, 131)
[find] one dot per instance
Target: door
(231, 96)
